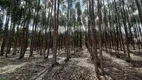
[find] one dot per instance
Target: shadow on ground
(118, 72)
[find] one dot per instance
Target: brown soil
(79, 67)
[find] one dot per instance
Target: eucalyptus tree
(55, 28)
(74, 25)
(139, 6)
(4, 36)
(26, 19)
(79, 23)
(124, 21)
(92, 25)
(99, 6)
(34, 26)
(108, 23)
(1, 23)
(68, 33)
(15, 17)
(6, 6)
(46, 23)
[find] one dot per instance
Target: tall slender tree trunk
(10, 39)
(68, 33)
(139, 6)
(100, 34)
(5, 36)
(55, 33)
(93, 36)
(16, 41)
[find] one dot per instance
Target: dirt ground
(79, 67)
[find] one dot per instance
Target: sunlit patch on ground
(10, 68)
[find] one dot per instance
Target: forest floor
(79, 67)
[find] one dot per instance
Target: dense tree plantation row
(48, 26)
